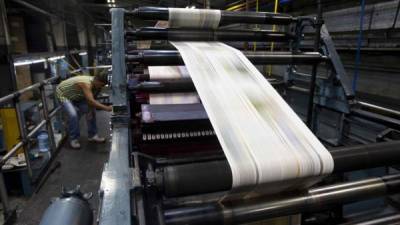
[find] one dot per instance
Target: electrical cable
(359, 45)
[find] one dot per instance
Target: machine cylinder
(215, 173)
(173, 58)
(214, 176)
(258, 209)
(227, 17)
(68, 211)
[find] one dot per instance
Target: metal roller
(68, 211)
(174, 180)
(227, 17)
(167, 86)
(316, 199)
(173, 34)
(175, 86)
(387, 219)
(378, 118)
(170, 58)
(216, 174)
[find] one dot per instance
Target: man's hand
(87, 91)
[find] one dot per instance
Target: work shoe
(75, 144)
(97, 138)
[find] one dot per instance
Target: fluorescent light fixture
(111, 3)
(38, 61)
(82, 53)
(103, 66)
(22, 63)
(29, 62)
(55, 58)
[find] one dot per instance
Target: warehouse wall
(380, 68)
(379, 72)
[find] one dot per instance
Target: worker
(77, 96)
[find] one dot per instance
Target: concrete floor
(78, 167)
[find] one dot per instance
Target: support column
(116, 203)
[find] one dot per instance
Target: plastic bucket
(43, 141)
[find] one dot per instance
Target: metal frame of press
(118, 172)
(121, 190)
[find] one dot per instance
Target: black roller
(177, 86)
(166, 86)
(215, 173)
(156, 58)
(151, 13)
(366, 156)
(173, 34)
(175, 179)
(169, 57)
(227, 17)
(317, 199)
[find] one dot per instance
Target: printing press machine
(172, 170)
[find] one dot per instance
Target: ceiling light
(29, 62)
(55, 58)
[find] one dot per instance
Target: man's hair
(102, 75)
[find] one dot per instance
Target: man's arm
(90, 98)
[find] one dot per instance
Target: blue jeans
(74, 111)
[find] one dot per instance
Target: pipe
(16, 94)
(359, 45)
(173, 34)
(68, 211)
(227, 17)
(4, 196)
(35, 8)
(4, 24)
(41, 11)
(380, 220)
(378, 118)
(47, 118)
(23, 135)
(188, 179)
(316, 199)
(169, 57)
(10, 153)
(379, 109)
(317, 42)
(55, 111)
